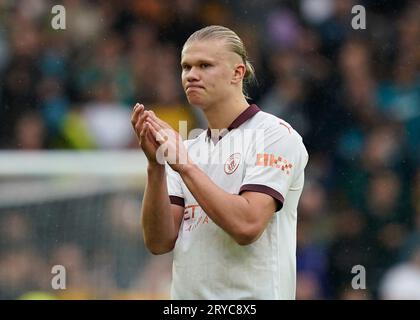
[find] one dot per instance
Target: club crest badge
(232, 163)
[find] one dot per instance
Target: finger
(140, 122)
(137, 110)
(156, 131)
(154, 121)
(143, 132)
(153, 131)
(151, 138)
(156, 126)
(159, 121)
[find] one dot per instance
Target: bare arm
(160, 219)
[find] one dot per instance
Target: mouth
(191, 88)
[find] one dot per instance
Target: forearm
(158, 224)
(228, 211)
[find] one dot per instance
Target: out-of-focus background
(71, 174)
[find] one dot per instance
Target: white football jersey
(260, 153)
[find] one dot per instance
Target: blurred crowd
(98, 241)
(354, 96)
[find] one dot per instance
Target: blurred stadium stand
(354, 95)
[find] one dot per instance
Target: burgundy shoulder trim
(244, 116)
(177, 200)
(264, 189)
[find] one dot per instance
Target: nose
(192, 75)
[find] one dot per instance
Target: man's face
(208, 71)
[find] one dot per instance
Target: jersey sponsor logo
(190, 211)
(232, 163)
(194, 216)
(274, 161)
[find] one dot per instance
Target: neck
(221, 115)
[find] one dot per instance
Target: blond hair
(233, 42)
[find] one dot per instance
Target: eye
(204, 65)
(186, 67)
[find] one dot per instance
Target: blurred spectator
(15, 231)
(307, 287)
(155, 279)
(348, 293)
(316, 11)
(21, 270)
(286, 97)
(351, 246)
(30, 132)
(336, 29)
(403, 280)
(78, 283)
(124, 231)
(311, 238)
(106, 120)
(282, 29)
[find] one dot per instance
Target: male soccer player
(226, 203)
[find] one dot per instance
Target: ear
(238, 73)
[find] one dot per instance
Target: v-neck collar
(247, 114)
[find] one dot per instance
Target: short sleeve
(272, 165)
(174, 181)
